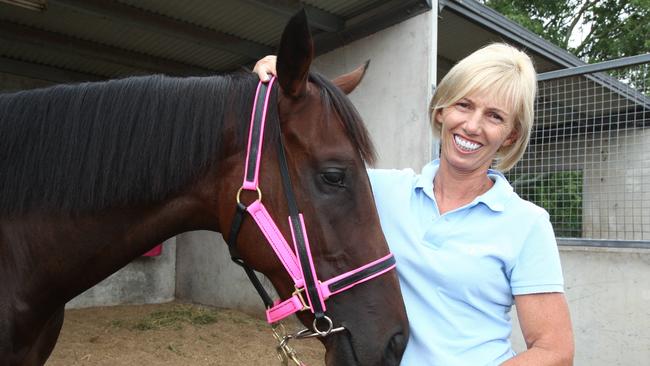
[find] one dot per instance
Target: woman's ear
(437, 115)
(512, 138)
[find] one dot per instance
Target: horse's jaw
(341, 350)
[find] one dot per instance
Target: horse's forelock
(352, 121)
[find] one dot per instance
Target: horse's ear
(295, 55)
(348, 82)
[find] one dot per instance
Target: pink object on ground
(156, 251)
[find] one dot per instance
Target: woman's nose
(472, 125)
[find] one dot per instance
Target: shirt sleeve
(386, 183)
(537, 268)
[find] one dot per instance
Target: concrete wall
(206, 275)
(392, 100)
(394, 95)
(609, 296)
(146, 280)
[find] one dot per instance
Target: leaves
(610, 28)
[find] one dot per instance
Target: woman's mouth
(466, 145)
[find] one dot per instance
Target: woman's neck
(455, 189)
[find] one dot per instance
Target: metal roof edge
(495, 21)
(375, 19)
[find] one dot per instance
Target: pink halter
(310, 293)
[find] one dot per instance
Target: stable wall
(146, 280)
(617, 186)
(394, 95)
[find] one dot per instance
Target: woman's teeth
(466, 145)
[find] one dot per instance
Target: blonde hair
(497, 69)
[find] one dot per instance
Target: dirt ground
(170, 334)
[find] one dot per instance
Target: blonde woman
(467, 247)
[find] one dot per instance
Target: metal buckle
(286, 353)
(298, 292)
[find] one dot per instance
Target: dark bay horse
(93, 175)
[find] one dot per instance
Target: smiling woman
(504, 80)
(473, 130)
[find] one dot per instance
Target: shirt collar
(425, 179)
(495, 198)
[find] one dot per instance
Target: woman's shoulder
(391, 181)
(524, 208)
(391, 175)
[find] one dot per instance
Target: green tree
(613, 28)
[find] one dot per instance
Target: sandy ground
(170, 334)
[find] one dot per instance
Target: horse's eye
(333, 176)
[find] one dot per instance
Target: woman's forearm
(538, 356)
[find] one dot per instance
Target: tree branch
(583, 9)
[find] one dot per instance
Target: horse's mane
(90, 146)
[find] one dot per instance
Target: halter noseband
(310, 293)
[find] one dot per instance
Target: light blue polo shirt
(458, 272)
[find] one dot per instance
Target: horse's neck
(63, 255)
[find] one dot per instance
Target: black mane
(86, 147)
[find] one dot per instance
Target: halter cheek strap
(310, 293)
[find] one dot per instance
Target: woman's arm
(546, 326)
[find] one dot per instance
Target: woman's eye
(334, 177)
(496, 116)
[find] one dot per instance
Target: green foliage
(614, 28)
(560, 193)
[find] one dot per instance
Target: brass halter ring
(259, 194)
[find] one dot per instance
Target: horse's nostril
(394, 349)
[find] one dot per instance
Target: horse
(95, 174)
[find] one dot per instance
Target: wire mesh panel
(588, 162)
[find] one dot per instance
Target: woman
(467, 246)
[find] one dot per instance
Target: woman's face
(473, 130)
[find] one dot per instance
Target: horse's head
(326, 146)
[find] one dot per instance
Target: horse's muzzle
(344, 351)
(395, 349)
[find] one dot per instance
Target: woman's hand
(264, 67)
(546, 327)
